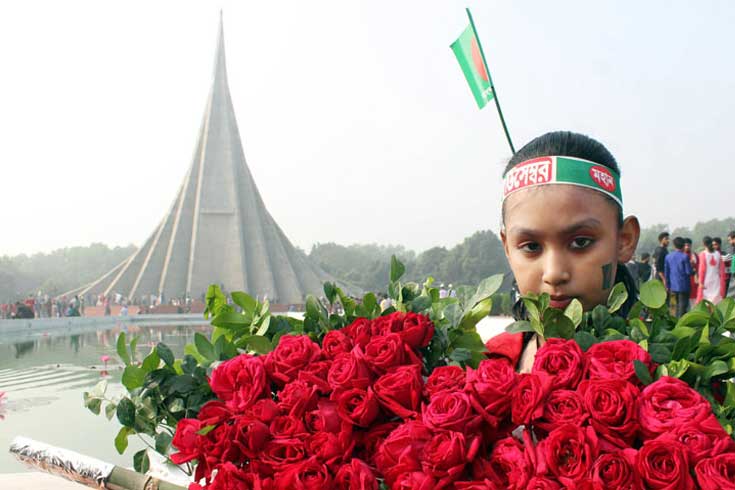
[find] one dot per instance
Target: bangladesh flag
(467, 50)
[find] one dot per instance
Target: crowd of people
(690, 275)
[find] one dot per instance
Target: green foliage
(697, 348)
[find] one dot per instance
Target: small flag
(467, 50)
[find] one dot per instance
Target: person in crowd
(564, 233)
(443, 293)
(711, 273)
(659, 256)
(678, 273)
(694, 279)
(632, 266)
(717, 244)
(644, 268)
(729, 261)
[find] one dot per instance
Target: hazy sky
(356, 121)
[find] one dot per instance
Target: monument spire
(217, 229)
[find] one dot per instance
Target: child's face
(566, 241)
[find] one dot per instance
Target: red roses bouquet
(358, 412)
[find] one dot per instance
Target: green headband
(563, 170)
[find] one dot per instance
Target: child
(564, 232)
(711, 273)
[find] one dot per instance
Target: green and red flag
(469, 54)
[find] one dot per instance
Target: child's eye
(530, 247)
(582, 242)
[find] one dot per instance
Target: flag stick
(490, 79)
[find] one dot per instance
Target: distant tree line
(713, 228)
(367, 266)
(58, 271)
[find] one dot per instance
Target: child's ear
(628, 237)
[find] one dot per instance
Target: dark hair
(679, 243)
(645, 255)
(731, 234)
(707, 241)
(568, 144)
(687, 241)
(717, 240)
(662, 235)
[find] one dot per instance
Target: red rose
(664, 464)
(349, 371)
(616, 470)
(476, 485)
(293, 353)
(287, 427)
(400, 452)
(611, 404)
(330, 448)
(543, 483)
(265, 410)
(305, 475)
(336, 342)
(669, 403)
(240, 381)
(451, 410)
(703, 439)
(416, 330)
(383, 325)
(490, 387)
(217, 447)
(445, 378)
(296, 398)
(414, 480)
(374, 437)
(562, 407)
(388, 351)
(249, 435)
(325, 418)
(509, 465)
(507, 345)
(359, 331)
(716, 473)
(614, 359)
(278, 453)
(444, 457)
(562, 359)
(357, 406)
(568, 453)
(315, 374)
(399, 391)
(529, 397)
(186, 440)
(230, 477)
(356, 475)
(214, 412)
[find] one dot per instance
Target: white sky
(355, 118)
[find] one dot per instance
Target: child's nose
(556, 268)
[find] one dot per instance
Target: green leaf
(681, 349)
(141, 463)
(696, 319)
(163, 442)
(151, 361)
(461, 355)
(93, 404)
(134, 348)
(122, 349)
(206, 430)
(420, 304)
(244, 301)
(204, 346)
(532, 309)
(453, 314)
(183, 384)
(99, 389)
(485, 290)
(676, 369)
(653, 294)
(110, 410)
(574, 312)
(133, 377)
(585, 340)
(470, 341)
(397, 269)
(232, 320)
(519, 326)
(715, 368)
(641, 370)
(618, 296)
(126, 412)
(165, 354)
(257, 343)
(264, 325)
(476, 313)
(557, 324)
(191, 350)
(121, 439)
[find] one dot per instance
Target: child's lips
(560, 302)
